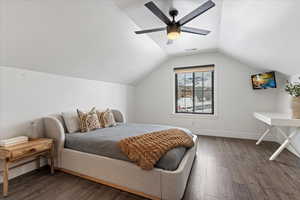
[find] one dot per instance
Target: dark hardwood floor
(225, 169)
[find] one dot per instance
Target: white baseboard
(233, 134)
(292, 151)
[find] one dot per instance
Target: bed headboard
(55, 128)
(117, 114)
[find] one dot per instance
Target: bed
(95, 156)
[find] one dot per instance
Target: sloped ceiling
(262, 33)
(95, 39)
(90, 39)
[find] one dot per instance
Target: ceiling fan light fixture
(173, 32)
(173, 35)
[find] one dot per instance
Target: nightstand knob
(32, 150)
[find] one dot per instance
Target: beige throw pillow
(72, 121)
(106, 118)
(88, 121)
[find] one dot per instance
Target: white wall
(27, 95)
(235, 99)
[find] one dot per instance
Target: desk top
(277, 119)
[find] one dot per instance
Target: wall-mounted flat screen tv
(263, 80)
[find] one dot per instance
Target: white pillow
(72, 121)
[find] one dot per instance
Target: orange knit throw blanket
(145, 150)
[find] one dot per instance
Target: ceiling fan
(174, 28)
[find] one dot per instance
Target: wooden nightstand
(33, 148)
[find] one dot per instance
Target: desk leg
(291, 142)
(263, 135)
(5, 178)
(283, 146)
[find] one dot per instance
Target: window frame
(212, 90)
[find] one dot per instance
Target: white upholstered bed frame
(153, 184)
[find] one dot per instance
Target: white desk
(277, 120)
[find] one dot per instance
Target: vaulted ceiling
(261, 33)
(95, 39)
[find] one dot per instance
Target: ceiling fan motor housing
(173, 13)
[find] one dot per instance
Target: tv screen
(263, 80)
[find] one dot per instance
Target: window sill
(193, 116)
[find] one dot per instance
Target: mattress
(103, 142)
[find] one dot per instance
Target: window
(194, 89)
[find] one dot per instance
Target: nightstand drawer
(22, 152)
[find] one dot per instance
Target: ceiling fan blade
(194, 30)
(156, 11)
(200, 10)
(150, 30)
(169, 42)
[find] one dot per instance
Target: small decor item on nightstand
(13, 141)
(294, 90)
